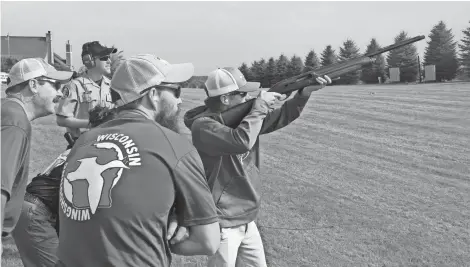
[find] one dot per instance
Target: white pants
(239, 246)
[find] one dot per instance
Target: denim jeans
(35, 235)
(240, 246)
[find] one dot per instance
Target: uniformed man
(86, 91)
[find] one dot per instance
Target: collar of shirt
(87, 80)
(18, 101)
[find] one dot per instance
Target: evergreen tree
(311, 60)
(256, 71)
(349, 51)
(260, 70)
(282, 64)
(405, 58)
(270, 73)
(371, 73)
(328, 56)
(245, 71)
(295, 66)
(442, 52)
(263, 75)
(7, 63)
(465, 52)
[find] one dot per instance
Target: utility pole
(68, 54)
(8, 39)
(419, 70)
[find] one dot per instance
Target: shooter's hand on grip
(270, 97)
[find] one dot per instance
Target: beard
(169, 118)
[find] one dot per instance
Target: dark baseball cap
(96, 49)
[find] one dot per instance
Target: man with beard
(123, 178)
(86, 91)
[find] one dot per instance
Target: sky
(216, 34)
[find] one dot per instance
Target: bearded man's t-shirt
(119, 183)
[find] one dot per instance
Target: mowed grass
(367, 176)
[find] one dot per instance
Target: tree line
(441, 51)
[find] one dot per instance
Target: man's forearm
(72, 122)
(305, 93)
(217, 139)
(189, 247)
(287, 113)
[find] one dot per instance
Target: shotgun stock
(233, 116)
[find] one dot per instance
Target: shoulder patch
(66, 91)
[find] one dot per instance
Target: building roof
(24, 47)
(62, 62)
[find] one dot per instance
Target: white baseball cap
(220, 82)
(226, 80)
(30, 68)
(243, 84)
(143, 71)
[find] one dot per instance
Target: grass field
(367, 176)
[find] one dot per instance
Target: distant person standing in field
(231, 158)
(33, 89)
(89, 89)
(122, 179)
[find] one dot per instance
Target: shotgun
(233, 116)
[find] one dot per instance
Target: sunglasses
(56, 84)
(242, 94)
(176, 89)
(104, 58)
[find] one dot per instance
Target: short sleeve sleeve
(14, 143)
(194, 202)
(68, 104)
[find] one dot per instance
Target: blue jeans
(35, 235)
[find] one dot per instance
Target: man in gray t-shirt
(122, 178)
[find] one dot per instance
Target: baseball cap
(30, 68)
(243, 84)
(143, 71)
(220, 82)
(96, 49)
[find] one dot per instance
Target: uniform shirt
(81, 95)
(15, 146)
(117, 189)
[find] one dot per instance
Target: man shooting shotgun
(233, 116)
(226, 134)
(231, 157)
